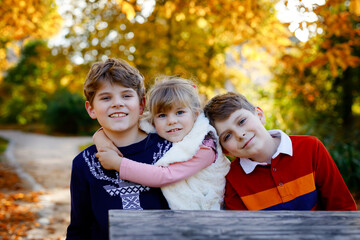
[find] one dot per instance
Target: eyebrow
(102, 94)
(130, 90)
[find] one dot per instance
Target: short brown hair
(220, 107)
(114, 71)
(170, 90)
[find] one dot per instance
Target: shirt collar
(284, 147)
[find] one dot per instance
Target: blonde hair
(169, 91)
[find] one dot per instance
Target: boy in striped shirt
(271, 170)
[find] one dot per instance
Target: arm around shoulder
(159, 176)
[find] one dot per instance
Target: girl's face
(175, 124)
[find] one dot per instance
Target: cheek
(157, 128)
(158, 125)
(225, 148)
(230, 146)
(189, 124)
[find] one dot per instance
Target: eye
(180, 112)
(127, 96)
(161, 115)
(227, 137)
(105, 98)
(242, 121)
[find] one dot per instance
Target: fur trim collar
(146, 126)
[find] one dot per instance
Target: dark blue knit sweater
(95, 190)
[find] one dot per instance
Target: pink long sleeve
(158, 176)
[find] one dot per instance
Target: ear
(196, 114)
(142, 105)
(90, 110)
(260, 113)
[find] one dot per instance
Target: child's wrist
(119, 163)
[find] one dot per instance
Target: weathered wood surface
(166, 224)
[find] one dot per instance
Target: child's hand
(102, 141)
(109, 159)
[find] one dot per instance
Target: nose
(117, 102)
(171, 119)
(240, 134)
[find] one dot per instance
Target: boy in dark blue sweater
(115, 97)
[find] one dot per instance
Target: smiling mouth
(248, 142)
(174, 130)
(117, 115)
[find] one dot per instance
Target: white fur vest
(205, 189)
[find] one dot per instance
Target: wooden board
(167, 224)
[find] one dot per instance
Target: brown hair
(168, 91)
(114, 71)
(220, 107)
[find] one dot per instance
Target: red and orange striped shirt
(307, 180)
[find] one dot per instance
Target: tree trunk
(347, 99)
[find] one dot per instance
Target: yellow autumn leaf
(202, 23)
(128, 9)
(355, 7)
(169, 9)
(333, 65)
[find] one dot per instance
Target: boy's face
(117, 108)
(174, 124)
(243, 134)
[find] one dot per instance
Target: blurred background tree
(22, 21)
(306, 83)
(318, 84)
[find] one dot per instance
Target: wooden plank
(166, 224)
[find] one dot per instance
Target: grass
(82, 147)
(3, 145)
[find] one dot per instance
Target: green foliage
(346, 154)
(22, 91)
(3, 144)
(25, 70)
(66, 113)
(25, 90)
(298, 116)
(11, 110)
(82, 147)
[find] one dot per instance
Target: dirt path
(44, 162)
